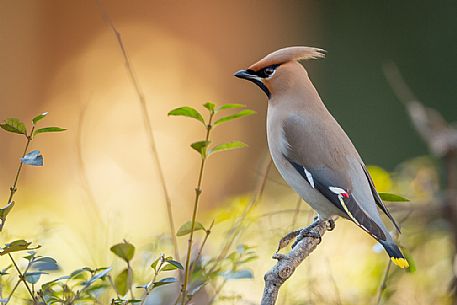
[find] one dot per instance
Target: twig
(217, 291)
(22, 278)
(156, 272)
(13, 188)
(110, 280)
(198, 192)
(12, 292)
(200, 250)
(383, 285)
(287, 263)
(147, 122)
(385, 277)
(429, 123)
(91, 202)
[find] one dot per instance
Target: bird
(312, 152)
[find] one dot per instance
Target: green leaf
(187, 112)
(6, 210)
(79, 273)
(104, 272)
(392, 197)
(238, 275)
(156, 261)
(197, 289)
(16, 246)
(165, 281)
(200, 147)
(33, 158)
(248, 259)
(187, 228)
(48, 129)
(172, 265)
(14, 125)
(33, 277)
(229, 106)
(39, 117)
(4, 270)
(242, 113)
(124, 250)
(45, 264)
(227, 146)
(122, 282)
(210, 106)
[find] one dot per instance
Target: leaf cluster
(202, 146)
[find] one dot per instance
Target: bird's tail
(395, 254)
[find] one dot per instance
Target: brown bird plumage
(310, 149)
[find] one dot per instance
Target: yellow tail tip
(400, 262)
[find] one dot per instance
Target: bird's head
(277, 68)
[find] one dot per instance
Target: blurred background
(100, 184)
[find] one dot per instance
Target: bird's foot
(285, 241)
(299, 235)
(330, 224)
(307, 232)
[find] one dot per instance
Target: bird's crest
(288, 54)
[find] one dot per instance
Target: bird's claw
(306, 232)
(285, 241)
(330, 224)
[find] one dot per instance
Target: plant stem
(199, 254)
(12, 292)
(13, 188)
(217, 292)
(156, 272)
(130, 279)
(198, 192)
(22, 278)
(147, 122)
(383, 285)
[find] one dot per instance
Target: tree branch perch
(287, 263)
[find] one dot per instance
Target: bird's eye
(269, 71)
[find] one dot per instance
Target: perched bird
(312, 152)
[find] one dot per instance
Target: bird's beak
(246, 74)
(251, 76)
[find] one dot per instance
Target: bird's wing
(323, 170)
(378, 199)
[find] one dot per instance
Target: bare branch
(287, 263)
(440, 136)
(147, 121)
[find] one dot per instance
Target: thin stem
(156, 272)
(385, 276)
(383, 285)
(110, 280)
(12, 292)
(199, 254)
(147, 122)
(22, 278)
(198, 192)
(130, 279)
(217, 292)
(13, 188)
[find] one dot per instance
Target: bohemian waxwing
(312, 152)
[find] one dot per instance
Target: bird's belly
(310, 195)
